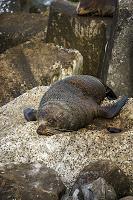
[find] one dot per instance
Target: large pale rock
(121, 66)
(35, 63)
(30, 181)
(16, 28)
(92, 36)
(66, 152)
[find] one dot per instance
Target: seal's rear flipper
(111, 111)
(110, 94)
(30, 114)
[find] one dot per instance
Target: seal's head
(46, 122)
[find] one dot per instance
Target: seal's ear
(110, 94)
(30, 114)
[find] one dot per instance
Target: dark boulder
(112, 174)
(30, 181)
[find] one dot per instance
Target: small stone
(114, 130)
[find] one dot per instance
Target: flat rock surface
(67, 152)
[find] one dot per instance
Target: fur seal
(97, 7)
(72, 103)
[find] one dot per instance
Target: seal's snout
(41, 129)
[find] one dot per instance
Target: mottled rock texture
(35, 63)
(99, 189)
(68, 152)
(30, 181)
(112, 174)
(92, 36)
(16, 28)
(120, 72)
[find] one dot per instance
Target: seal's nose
(41, 129)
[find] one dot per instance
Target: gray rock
(68, 152)
(112, 174)
(98, 189)
(121, 66)
(90, 35)
(35, 63)
(30, 181)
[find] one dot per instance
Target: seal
(97, 7)
(72, 103)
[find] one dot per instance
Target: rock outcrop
(92, 36)
(35, 63)
(121, 66)
(68, 152)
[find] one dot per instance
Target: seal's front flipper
(111, 111)
(30, 114)
(110, 94)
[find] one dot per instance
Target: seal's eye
(52, 121)
(43, 114)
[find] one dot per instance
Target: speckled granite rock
(30, 181)
(67, 153)
(35, 63)
(121, 66)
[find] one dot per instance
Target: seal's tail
(30, 114)
(110, 111)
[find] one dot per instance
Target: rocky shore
(38, 46)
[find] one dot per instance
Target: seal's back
(71, 103)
